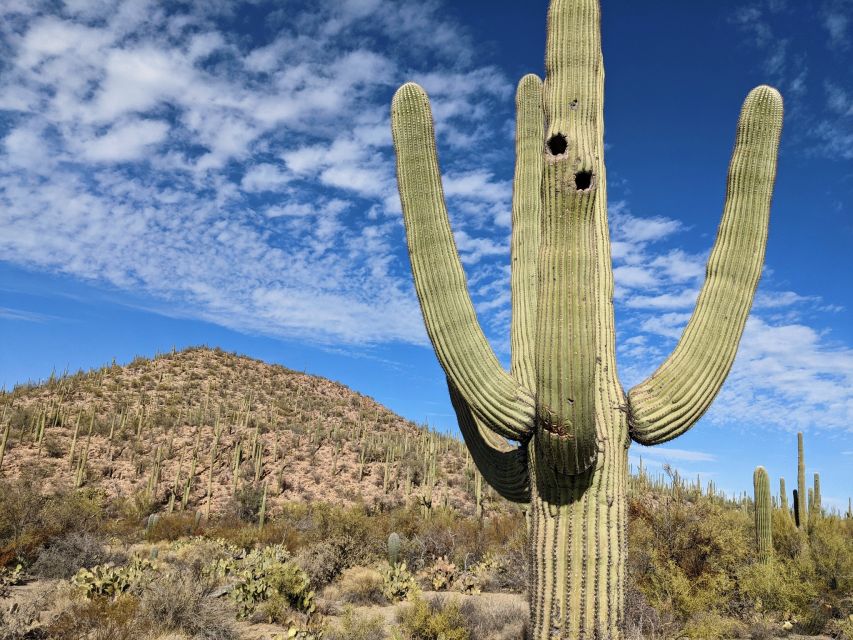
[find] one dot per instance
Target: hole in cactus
(557, 144)
(573, 104)
(583, 180)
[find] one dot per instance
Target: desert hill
(192, 429)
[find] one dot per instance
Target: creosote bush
(433, 619)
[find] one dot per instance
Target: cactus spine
(763, 515)
(562, 400)
(801, 509)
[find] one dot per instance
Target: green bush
(433, 620)
(777, 587)
(354, 626)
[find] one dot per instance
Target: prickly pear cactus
(561, 401)
(398, 583)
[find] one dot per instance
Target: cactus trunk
(763, 515)
(579, 533)
(562, 401)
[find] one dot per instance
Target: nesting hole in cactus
(557, 144)
(583, 180)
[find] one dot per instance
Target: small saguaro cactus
(393, 548)
(763, 515)
(817, 506)
(796, 495)
(802, 511)
(783, 496)
(561, 400)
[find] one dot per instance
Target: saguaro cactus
(561, 400)
(802, 510)
(763, 515)
(817, 506)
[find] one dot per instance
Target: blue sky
(221, 173)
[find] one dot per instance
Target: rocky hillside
(193, 429)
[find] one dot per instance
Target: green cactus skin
(802, 510)
(783, 496)
(561, 399)
(393, 548)
(817, 507)
(763, 515)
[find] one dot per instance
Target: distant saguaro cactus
(763, 515)
(561, 399)
(817, 506)
(802, 510)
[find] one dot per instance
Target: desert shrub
(64, 556)
(23, 620)
(832, 552)
(713, 626)
(433, 620)
(324, 561)
(360, 585)
(131, 510)
(777, 587)
(513, 562)
(98, 619)
(788, 541)
(489, 619)
(684, 556)
(246, 503)
(815, 619)
(642, 621)
(841, 629)
(172, 526)
(761, 631)
(179, 603)
(355, 626)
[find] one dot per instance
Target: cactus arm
(674, 397)
(526, 223)
(503, 467)
(463, 351)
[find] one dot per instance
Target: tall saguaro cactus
(763, 514)
(561, 400)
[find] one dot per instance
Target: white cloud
(789, 376)
(264, 177)
(125, 141)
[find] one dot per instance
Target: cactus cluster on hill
(201, 429)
